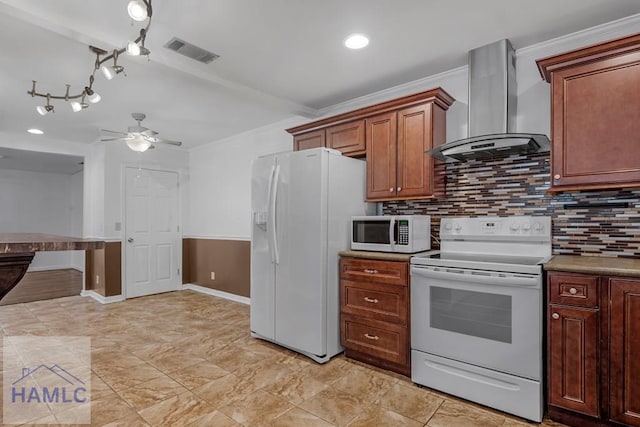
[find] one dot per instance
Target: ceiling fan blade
(167, 141)
(114, 139)
(113, 132)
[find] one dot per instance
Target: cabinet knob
(573, 291)
(556, 316)
(556, 176)
(370, 271)
(391, 190)
(371, 300)
(399, 188)
(372, 337)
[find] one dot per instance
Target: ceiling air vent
(191, 51)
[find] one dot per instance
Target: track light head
(137, 10)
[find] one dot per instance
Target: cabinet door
(381, 156)
(308, 140)
(625, 351)
(347, 137)
(415, 167)
(573, 359)
(595, 123)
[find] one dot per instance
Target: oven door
(483, 318)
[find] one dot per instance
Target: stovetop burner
(517, 244)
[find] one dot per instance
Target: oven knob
(537, 226)
(447, 226)
(515, 226)
(526, 226)
(457, 228)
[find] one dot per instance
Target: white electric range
(477, 310)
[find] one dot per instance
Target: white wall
(221, 173)
(35, 202)
(77, 184)
(220, 181)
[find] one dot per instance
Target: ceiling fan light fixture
(138, 144)
(137, 10)
(41, 110)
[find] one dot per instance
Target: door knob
(130, 240)
(556, 316)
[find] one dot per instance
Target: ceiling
(279, 58)
(35, 161)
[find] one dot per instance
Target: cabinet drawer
(395, 273)
(375, 300)
(380, 339)
(573, 289)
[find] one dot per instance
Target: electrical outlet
(97, 279)
(213, 275)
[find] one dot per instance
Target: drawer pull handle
(371, 300)
(372, 337)
(573, 291)
(556, 316)
(370, 271)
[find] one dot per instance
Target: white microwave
(391, 233)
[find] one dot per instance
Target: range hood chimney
(492, 109)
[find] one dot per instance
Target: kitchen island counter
(18, 249)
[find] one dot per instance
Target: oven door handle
(474, 276)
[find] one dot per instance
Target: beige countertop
(594, 265)
(383, 256)
(12, 243)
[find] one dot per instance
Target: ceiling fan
(138, 138)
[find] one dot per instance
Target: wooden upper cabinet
(347, 137)
(625, 351)
(595, 115)
(394, 135)
(381, 156)
(309, 140)
(415, 168)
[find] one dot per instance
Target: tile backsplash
(602, 223)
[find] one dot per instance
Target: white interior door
(152, 246)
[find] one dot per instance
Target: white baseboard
(54, 267)
(217, 293)
(102, 299)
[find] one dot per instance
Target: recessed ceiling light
(35, 131)
(356, 41)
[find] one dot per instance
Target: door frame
(123, 216)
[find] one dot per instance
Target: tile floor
(185, 358)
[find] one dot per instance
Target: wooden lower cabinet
(374, 312)
(624, 359)
(573, 359)
(593, 337)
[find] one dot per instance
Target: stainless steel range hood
(492, 109)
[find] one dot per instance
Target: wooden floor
(41, 285)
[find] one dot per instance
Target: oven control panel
(523, 226)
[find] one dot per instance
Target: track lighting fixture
(139, 10)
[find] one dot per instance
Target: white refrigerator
(302, 203)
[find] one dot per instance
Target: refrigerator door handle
(269, 213)
(275, 256)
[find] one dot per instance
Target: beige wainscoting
(228, 259)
